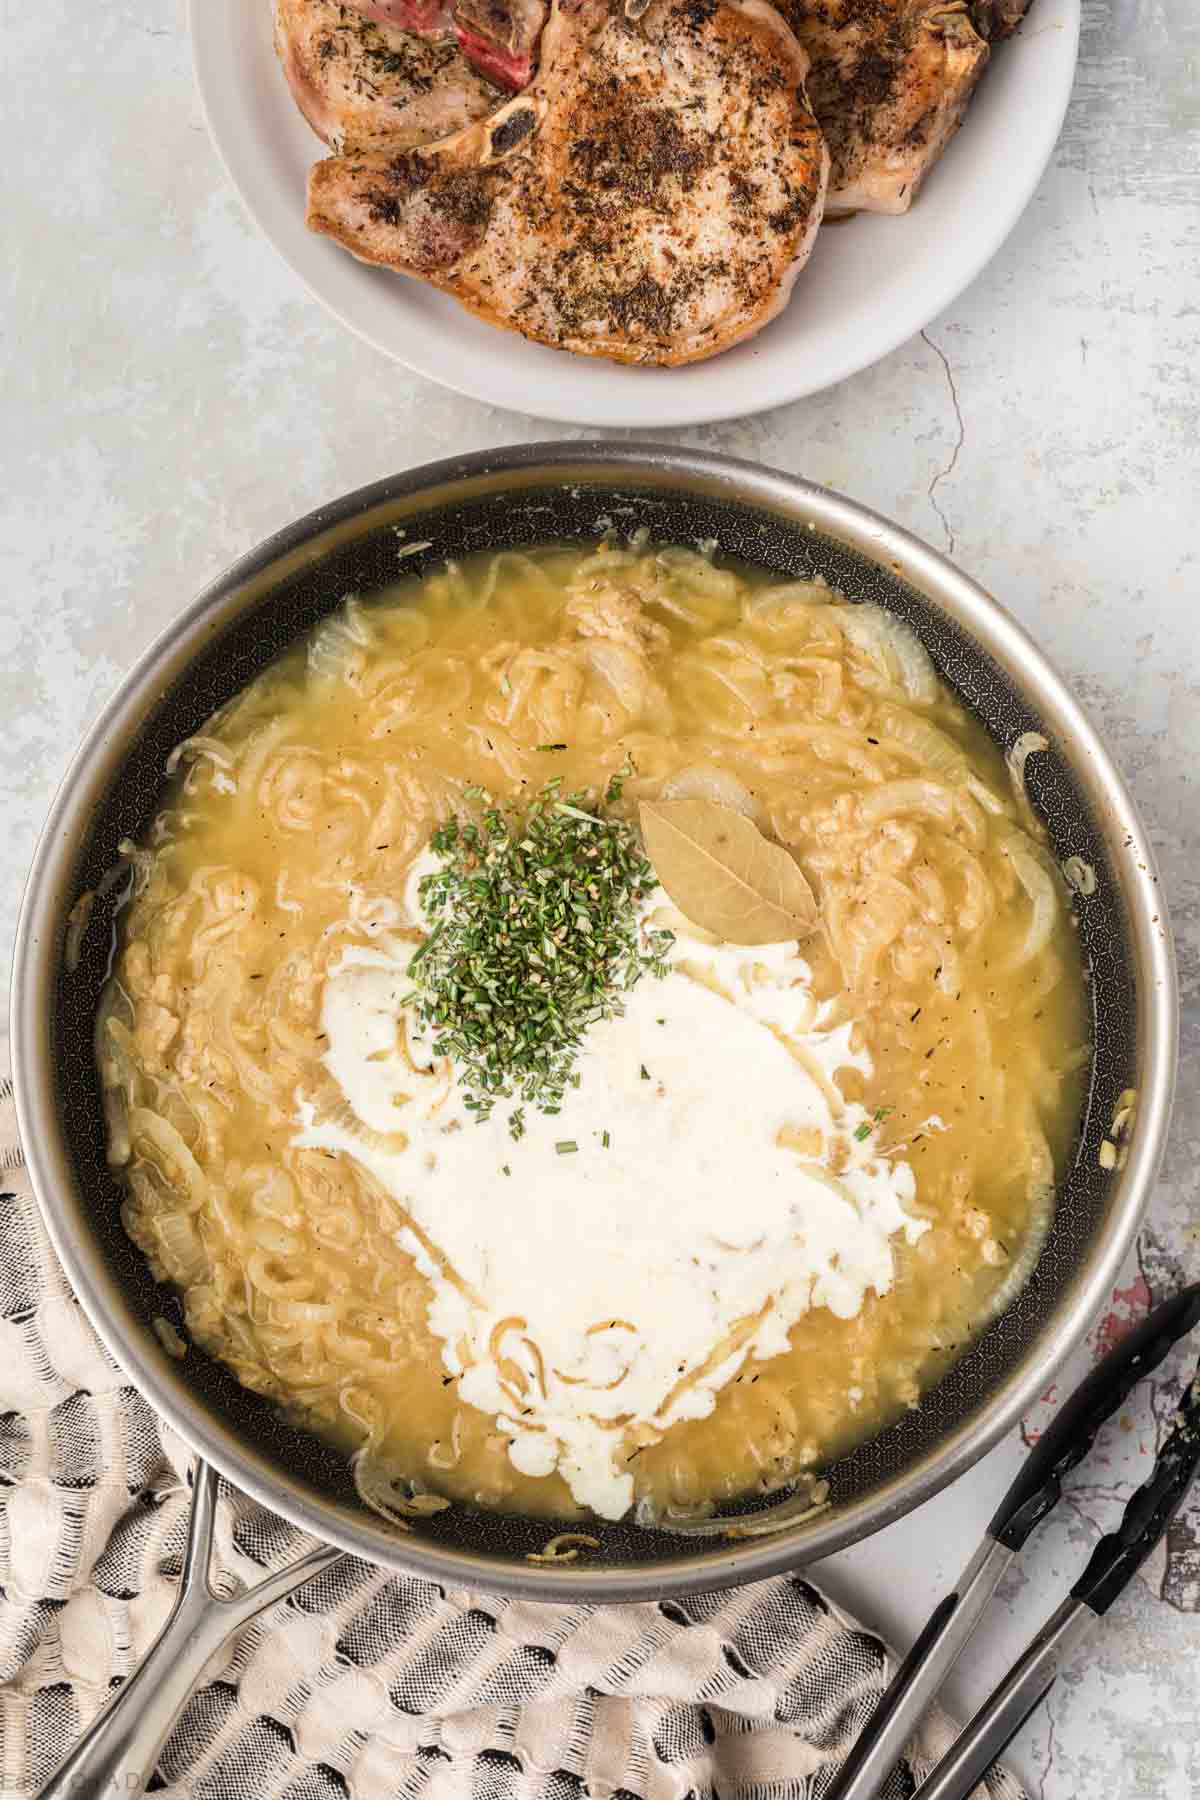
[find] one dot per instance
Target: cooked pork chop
(361, 84)
(890, 82)
(651, 197)
(500, 37)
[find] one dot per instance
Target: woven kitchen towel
(368, 1684)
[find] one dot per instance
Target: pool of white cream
(607, 1274)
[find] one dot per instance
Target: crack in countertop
(944, 474)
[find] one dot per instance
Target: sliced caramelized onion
(1027, 745)
(1039, 886)
(180, 1248)
(893, 647)
(564, 1548)
(394, 1496)
(169, 1338)
(912, 734)
(274, 1285)
(156, 1139)
(707, 781)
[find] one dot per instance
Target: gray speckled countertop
(173, 395)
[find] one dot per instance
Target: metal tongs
(1032, 1496)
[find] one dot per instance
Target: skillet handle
(118, 1751)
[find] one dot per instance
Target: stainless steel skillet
(520, 497)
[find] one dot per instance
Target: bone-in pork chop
(362, 84)
(651, 197)
(890, 82)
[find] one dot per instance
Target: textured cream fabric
(368, 1684)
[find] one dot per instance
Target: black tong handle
(1038, 1486)
(1116, 1558)
(1120, 1553)
(1032, 1495)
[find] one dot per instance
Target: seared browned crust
(650, 198)
(362, 84)
(890, 82)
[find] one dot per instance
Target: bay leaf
(724, 875)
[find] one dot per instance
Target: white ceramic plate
(871, 283)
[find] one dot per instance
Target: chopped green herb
(862, 1133)
(645, 1073)
(882, 1113)
(533, 938)
(504, 1169)
(542, 748)
(566, 1146)
(605, 1140)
